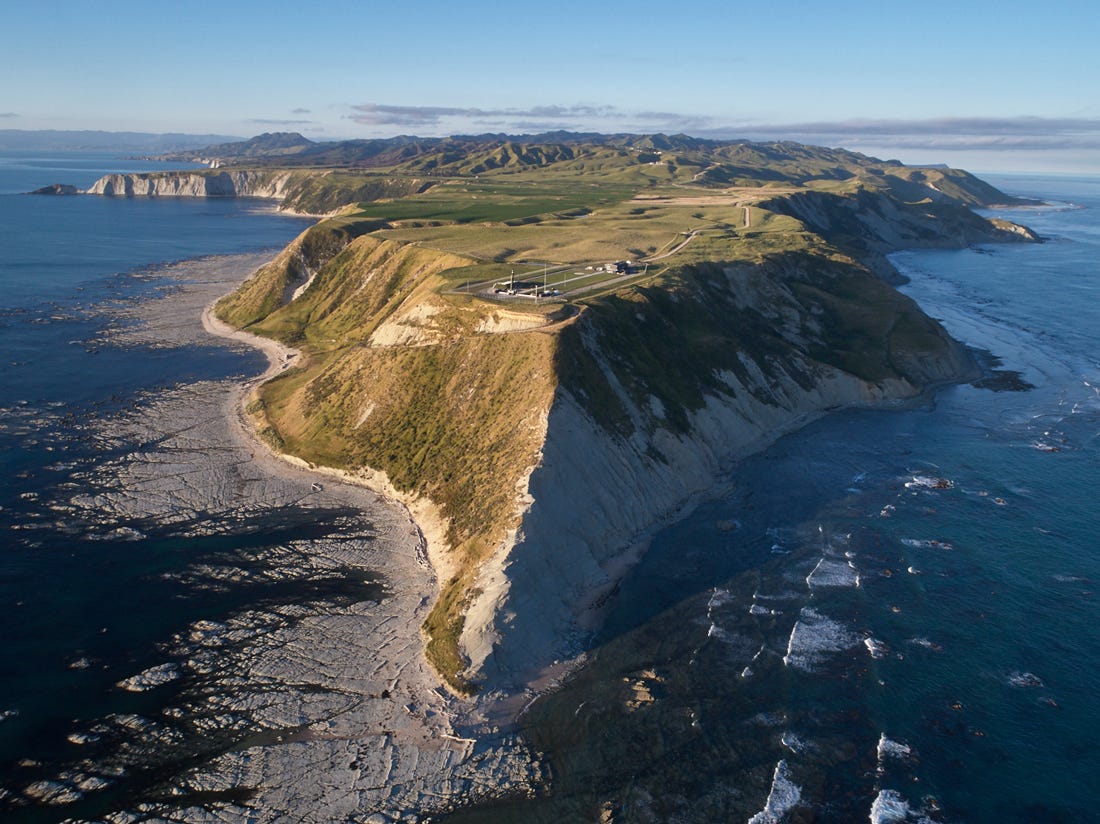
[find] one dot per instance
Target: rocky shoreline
(330, 706)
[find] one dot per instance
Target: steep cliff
(866, 221)
(244, 183)
(311, 192)
(535, 444)
(871, 225)
(660, 388)
(534, 441)
(280, 281)
(406, 388)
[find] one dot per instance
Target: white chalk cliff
(244, 183)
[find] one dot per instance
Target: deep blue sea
(887, 616)
(81, 610)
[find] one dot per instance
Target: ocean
(890, 615)
(88, 600)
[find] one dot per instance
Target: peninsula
(546, 346)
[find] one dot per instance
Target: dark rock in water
(1003, 380)
(995, 379)
(57, 189)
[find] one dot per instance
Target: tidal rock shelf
(310, 702)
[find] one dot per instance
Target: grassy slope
(672, 338)
(458, 423)
(458, 417)
(458, 420)
(267, 290)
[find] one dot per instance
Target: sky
(988, 86)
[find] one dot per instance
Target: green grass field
(472, 201)
(596, 225)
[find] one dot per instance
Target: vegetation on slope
(322, 194)
(458, 423)
(675, 338)
(456, 417)
(325, 176)
(270, 287)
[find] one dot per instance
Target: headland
(544, 349)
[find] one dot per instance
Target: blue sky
(984, 85)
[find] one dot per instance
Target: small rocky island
(57, 189)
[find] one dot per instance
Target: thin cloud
(582, 117)
(8, 114)
(948, 133)
(983, 126)
(263, 121)
(381, 114)
(300, 111)
(676, 121)
(944, 133)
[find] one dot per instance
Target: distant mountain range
(678, 158)
(288, 149)
(100, 141)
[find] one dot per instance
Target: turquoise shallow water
(889, 615)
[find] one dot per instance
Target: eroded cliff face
(303, 191)
(285, 278)
(871, 226)
(416, 393)
(755, 352)
(245, 183)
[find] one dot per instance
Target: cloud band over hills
(947, 133)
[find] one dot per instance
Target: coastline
(503, 703)
(349, 684)
(534, 650)
(438, 752)
(736, 433)
(503, 706)
(400, 749)
(431, 555)
(634, 695)
(278, 355)
(602, 569)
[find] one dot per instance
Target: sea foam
(929, 482)
(813, 636)
(876, 648)
(1025, 679)
(922, 543)
(782, 798)
(888, 748)
(833, 572)
(890, 807)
